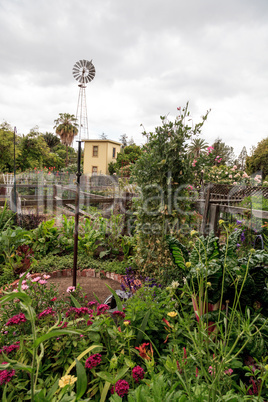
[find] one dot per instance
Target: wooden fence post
(206, 211)
(214, 217)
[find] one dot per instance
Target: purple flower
(93, 361)
(121, 388)
(138, 373)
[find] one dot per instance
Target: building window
(94, 169)
(114, 152)
(95, 150)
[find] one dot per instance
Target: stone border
(69, 273)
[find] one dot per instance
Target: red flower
(147, 355)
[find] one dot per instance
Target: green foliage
(163, 173)
(126, 157)
(258, 160)
(7, 148)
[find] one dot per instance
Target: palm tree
(51, 140)
(198, 146)
(66, 128)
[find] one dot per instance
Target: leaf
(75, 302)
(81, 385)
(105, 391)
(82, 355)
(106, 376)
(178, 252)
(19, 295)
(53, 334)
(142, 327)
(117, 298)
(121, 373)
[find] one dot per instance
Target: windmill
(83, 72)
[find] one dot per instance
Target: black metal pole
(15, 189)
(77, 197)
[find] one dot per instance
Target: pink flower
(10, 348)
(70, 289)
(46, 312)
(229, 371)
(93, 361)
(42, 281)
(92, 303)
(137, 373)
(16, 319)
(119, 314)
(121, 388)
(178, 108)
(54, 298)
(46, 276)
(24, 287)
(230, 175)
(6, 375)
(36, 279)
(102, 308)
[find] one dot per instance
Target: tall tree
(225, 152)
(66, 128)
(241, 161)
(103, 136)
(123, 140)
(197, 146)
(258, 161)
(7, 148)
(51, 139)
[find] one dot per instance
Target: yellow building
(98, 154)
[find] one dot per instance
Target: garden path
(89, 286)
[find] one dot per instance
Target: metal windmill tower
(83, 72)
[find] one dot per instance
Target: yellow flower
(67, 380)
(266, 367)
(193, 232)
(127, 322)
(172, 314)
(188, 264)
(221, 221)
(208, 284)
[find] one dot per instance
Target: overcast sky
(150, 57)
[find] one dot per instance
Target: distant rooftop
(98, 140)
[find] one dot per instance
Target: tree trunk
(67, 159)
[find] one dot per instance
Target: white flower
(175, 284)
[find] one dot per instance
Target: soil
(89, 286)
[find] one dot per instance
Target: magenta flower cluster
(6, 375)
(10, 348)
(137, 373)
(93, 361)
(78, 311)
(119, 314)
(102, 308)
(121, 388)
(47, 311)
(16, 319)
